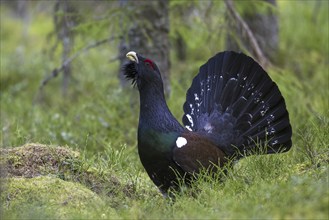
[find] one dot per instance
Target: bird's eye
(149, 63)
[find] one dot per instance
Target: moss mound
(48, 197)
(33, 160)
(55, 182)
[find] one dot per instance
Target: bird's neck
(154, 112)
(157, 129)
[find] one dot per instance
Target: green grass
(99, 119)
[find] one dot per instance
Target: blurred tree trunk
(180, 47)
(65, 20)
(22, 7)
(148, 35)
(20, 10)
(261, 18)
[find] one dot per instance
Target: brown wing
(194, 151)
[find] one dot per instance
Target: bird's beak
(132, 56)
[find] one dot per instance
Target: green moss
(33, 160)
(45, 181)
(48, 197)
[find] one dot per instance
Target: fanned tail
(235, 102)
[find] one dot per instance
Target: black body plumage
(232, 109)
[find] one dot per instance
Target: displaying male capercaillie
(233, 109)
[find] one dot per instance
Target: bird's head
(142, 71)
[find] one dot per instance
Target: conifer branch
(58, 70)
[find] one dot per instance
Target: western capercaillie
(233, 109)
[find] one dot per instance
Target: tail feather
(267, 123)
(234, 101)
(229, 89)
(238, 106)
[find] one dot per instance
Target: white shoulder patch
(180, 142)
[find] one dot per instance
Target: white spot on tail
(196, 97)
(270, 131)
(190, 119)
(275, 142)
(208, 128)
(188, 128)
(192, 109)
(180, 142)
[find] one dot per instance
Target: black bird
(233, 109)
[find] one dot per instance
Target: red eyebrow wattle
(150, 62)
